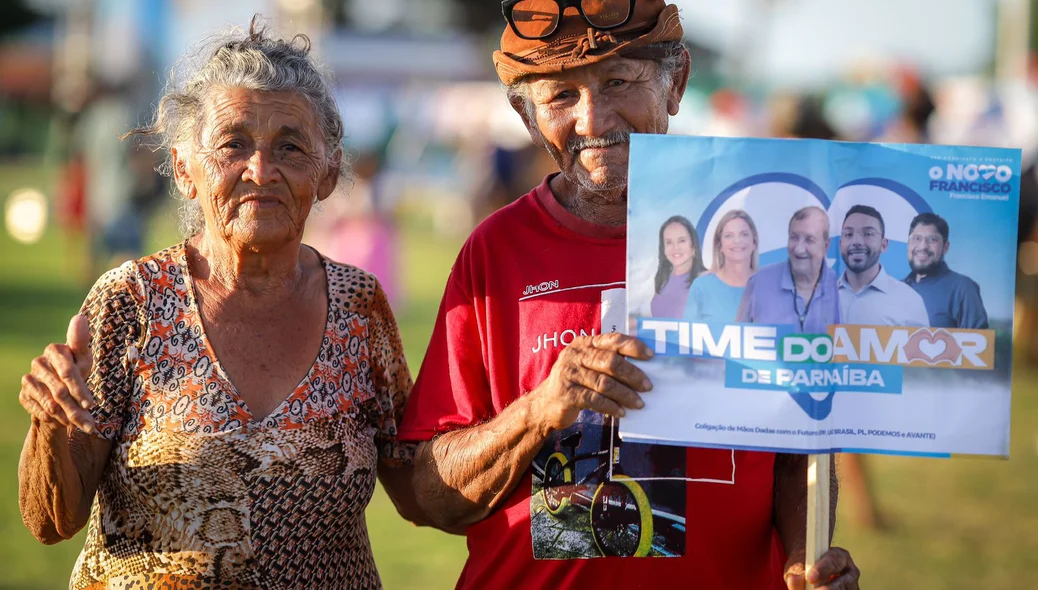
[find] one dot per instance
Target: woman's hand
(60, 467)
(55, 391)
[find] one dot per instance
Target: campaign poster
(813, 296)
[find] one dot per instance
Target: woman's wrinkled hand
(54, 391)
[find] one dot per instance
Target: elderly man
(518, 369)
(800, 291)
(868, 295)
(952, 299)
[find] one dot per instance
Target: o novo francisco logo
(971, 178)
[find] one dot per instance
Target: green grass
(957, 524)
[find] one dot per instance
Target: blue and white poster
(812, 296)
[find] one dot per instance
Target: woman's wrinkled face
(258, 166)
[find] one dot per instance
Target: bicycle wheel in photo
(557, 473)
(621, 518)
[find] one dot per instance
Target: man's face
(584, 117)
(926, 248)
(861, 242)
(807, 243)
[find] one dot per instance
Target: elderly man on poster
(518, 368)
(868, 295)
(800, 291)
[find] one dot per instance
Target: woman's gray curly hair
(235, 59)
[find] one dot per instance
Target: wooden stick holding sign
(818, 472)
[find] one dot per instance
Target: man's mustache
(577, 143)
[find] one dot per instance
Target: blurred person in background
(221, 409)
(680, 262)
(729, 114)
(911, 122)
(510, 169)
(148, 188)
(799, 117)
(70, 193)
(356, 231)
(811, 122)
(501, 385)
(716, 295)
(1026, 316)
(115, 222)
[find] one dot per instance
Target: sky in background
(802, 42)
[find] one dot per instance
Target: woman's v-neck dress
(196, 493)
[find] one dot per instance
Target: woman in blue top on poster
(715, 296)
(680, 263)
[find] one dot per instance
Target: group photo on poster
(813, 296)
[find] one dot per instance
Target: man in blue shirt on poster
(952, 300)
(800, 291)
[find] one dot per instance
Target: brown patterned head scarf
(576, 44)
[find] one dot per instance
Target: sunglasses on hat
(537, 19)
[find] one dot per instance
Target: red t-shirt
(529, 280)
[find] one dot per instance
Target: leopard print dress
(198, 495)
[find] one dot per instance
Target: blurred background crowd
(435, 148)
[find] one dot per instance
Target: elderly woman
(222, 419)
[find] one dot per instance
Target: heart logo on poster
(772, 199)
(932, 349)
(987, 171)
